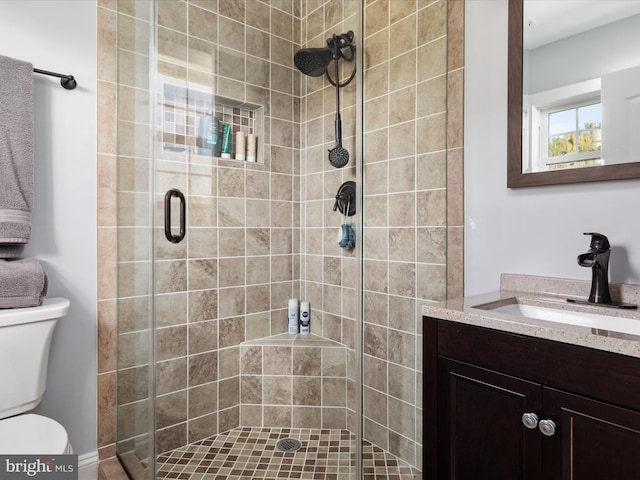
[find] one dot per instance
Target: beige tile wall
(248, 253)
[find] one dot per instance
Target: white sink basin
(591, 320)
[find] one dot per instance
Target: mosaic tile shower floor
(246, 453)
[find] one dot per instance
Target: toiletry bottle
(208, 141)
(218, 132)
(304, 318)
(251, 147)
(293, 315)
(226, 141)
(240, 148)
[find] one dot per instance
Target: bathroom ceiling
(549, 20)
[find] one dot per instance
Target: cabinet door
(593, 440)
(481, 434)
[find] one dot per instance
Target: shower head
(313, 61)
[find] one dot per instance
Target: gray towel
(23, 283)
(16, 155)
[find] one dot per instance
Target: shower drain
(288, 445)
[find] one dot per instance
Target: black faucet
(598, 259)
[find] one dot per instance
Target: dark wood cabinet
(594, 440)
(491, 412)
(481, 435)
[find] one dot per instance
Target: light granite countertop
(549, 293)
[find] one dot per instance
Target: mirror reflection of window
(563, 128)
(574, 137)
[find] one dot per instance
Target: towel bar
(67, 81)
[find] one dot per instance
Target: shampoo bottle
(293, 315)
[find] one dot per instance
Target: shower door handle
(174, 192)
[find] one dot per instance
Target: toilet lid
(32, 434)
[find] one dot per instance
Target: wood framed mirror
(515, 176)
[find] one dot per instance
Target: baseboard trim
(88, 466)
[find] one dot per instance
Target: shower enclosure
(211, 249)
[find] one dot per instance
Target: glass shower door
(134, 429)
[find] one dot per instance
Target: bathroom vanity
(512, 397)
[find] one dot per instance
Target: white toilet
(25, 336)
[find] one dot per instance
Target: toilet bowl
(25, 337)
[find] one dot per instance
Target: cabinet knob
(530, 420)
(547, 427)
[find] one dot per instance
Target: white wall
(534, 230)
(61, 36)
(585, 56)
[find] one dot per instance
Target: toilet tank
(25, 336)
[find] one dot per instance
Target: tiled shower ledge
(297, 340)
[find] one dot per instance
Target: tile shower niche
(182, 108)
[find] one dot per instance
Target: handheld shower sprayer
(338, 155)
